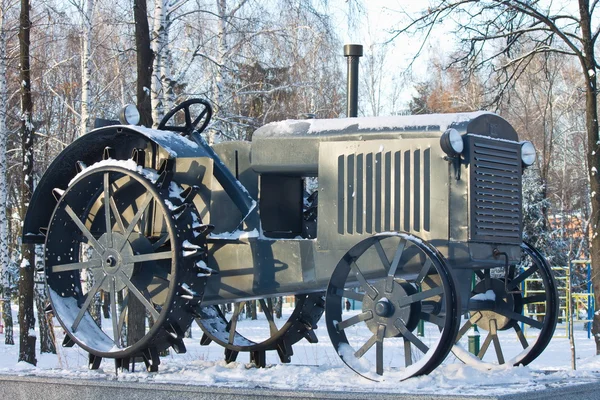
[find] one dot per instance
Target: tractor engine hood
(292, 146)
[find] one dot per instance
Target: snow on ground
(316, 367)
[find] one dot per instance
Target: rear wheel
(121, 236)
(236, 333)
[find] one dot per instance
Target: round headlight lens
(452, 142)
(527, 153)
(129, 115)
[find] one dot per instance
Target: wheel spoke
(410, 336)
(136, 219)
(520, 317)
(107, 210)
(382, 255)
(92, 241)
(117, 214)
(161, 241)
(472, 321)
(233, 321)
(364, 316)
(389, 283)
(365, 347)
(124, 311)
(89, 297)
(538, 298)
(434, 319)
(497, 346)
(484, 346)
(379, 349)
(520, 335)
(371, 291)
(139, 258)
(113, 311)
(188, 118)
(136, 292)
(351, 294)
(413, 298)
(77, 266)
(199, 118)
(269, 314)
(407, 352)
(424, 271)
(524, 275)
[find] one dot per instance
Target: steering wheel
(199, 123)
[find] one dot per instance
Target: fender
(89, 149)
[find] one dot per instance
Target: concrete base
(32, 387)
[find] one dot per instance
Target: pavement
(13, 387)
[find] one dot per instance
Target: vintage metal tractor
(416, 220)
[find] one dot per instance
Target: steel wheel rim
(538, 269)
(91, 335)
(305, 315)
(433, 290)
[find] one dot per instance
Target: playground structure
(574, 307)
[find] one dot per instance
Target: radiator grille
(384, 191)
(496, 204)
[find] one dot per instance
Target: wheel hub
(503, 300)
(112, 258)
(386, 308)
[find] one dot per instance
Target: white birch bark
(222, 50)
(86, 66)
(158, 45)
(4, 245)
(167, 65)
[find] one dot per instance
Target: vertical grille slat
(384, 191)
(496, 202)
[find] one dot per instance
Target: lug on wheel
(276, 335)
(406, 303)
(124, 263)
(506, 310)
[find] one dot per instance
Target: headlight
(452, 142)
(129, 115)
(527, 153)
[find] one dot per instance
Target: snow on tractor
(416, 221)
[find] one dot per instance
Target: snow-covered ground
(317, 367)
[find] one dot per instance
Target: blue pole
(590, 302)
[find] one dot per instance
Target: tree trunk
(144, 61)
(222, 50)
(26, 292)
(5, 290)
(593, 154)
(46, 327)
(158, 44)
(86, 67)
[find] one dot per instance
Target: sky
(373, 24)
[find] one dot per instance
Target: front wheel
(404, 296)
(519, 306)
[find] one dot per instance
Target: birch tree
(86, 65)
(4, 133)
(162, 80)
(502, 36)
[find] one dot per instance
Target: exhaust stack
(352, 52)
